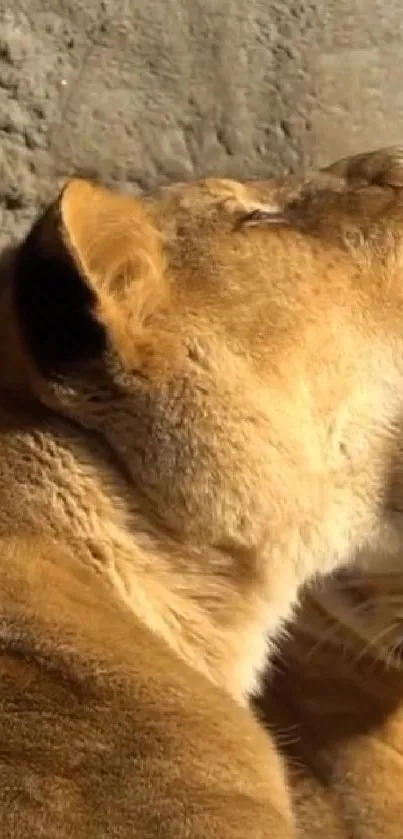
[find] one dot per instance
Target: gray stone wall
(146, 91)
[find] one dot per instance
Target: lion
(334, 691)
(201, 391)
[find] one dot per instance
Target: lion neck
(58, 478)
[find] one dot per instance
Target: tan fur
(335, 700)
(201, 396)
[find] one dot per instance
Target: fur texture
(201, 395)
(335, 699)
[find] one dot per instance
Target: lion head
(238, 351)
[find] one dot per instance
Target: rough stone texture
(146, 91)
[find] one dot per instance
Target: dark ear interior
(55, 304)
(74, 263)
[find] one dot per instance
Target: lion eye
(261, 217)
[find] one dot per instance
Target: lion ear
(80, 256)
(383, 167)
(103, 230)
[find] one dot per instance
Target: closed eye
(261, 217)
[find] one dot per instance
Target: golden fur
(201, 393)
